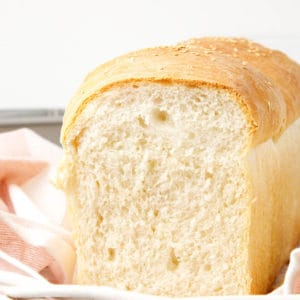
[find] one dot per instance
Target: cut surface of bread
(173, 187)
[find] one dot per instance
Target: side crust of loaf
(273, 168)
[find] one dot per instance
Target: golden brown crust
(282, 71)
(266, 82)
(273, 169)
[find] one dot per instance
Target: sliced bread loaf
(182, 169)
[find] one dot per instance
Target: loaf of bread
(182, 169)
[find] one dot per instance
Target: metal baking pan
(45, 122)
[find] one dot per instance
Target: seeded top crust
(266, 82)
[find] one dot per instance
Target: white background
(48, 46)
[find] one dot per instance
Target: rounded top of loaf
(266, 83)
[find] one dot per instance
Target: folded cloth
(292, 277)
(33, 227)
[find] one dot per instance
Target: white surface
(48, 46)
(105, 293)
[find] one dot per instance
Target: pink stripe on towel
(31, 237)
